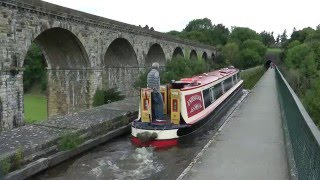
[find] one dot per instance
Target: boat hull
(172, 135)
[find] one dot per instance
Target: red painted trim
(158, 144)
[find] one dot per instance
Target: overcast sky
(166, 15)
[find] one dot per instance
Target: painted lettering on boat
(194, 103)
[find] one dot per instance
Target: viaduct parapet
(83, 52)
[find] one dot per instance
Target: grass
(35, 108)
(69, 141)
(251, 76)
(274, 50)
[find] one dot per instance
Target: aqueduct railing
(301, 134)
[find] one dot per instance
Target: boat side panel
(206, 111)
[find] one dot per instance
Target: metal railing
(301, 134)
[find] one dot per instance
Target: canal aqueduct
(83, 52)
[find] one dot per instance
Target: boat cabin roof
(203, 79)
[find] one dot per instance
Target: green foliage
(293, 44)
(69, 141)
(232, 54)
(250, 58)
(17, 159)
(251, 76)
(35, 71)
(296, 55)
(106, 96)
(175, 70)
(199, 25)
(195, 36)
(5, 166)
(98, 98)
(181, 68)
(241, 34)
(35, 108)
(302, 57)
(255, 45)
(267, 38)
(311, 100)
(302, 34)
(112, 95)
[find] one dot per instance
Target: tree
(296, 55)
(267, 38)
(232, 54)
(278, 39)
(241, 34)
(284, 36)
(174, 33)
(256, 46)
(302, 35)
(219, 34)
(199, 25)
(250, 58)
(196, 36)
(35, 72)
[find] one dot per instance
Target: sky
(166, 15)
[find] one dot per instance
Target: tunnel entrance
(193, 55)
(177, 53)
(267, 64)
(155, 54)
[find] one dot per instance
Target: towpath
(251, 144)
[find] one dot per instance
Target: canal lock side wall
(38, 143)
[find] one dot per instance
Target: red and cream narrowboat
(189, 104)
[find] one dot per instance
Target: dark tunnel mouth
(267, 64)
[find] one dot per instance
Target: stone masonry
(83, 52)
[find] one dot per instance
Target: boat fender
(147, 136)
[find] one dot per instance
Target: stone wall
(75, 47)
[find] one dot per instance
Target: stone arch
(177, 53)
(205, 56)
(66, 60)
(193, 55)
(120, 53)
(62, 49)
(155, 54)
(120, 67)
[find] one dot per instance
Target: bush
(5, 167)
(106, 96)
(69, 141)
(98, 98)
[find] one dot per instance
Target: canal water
(119, 159)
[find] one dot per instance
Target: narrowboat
(189, 104)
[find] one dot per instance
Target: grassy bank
(35, 108)
(251, 76)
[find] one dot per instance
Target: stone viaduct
(83, 52)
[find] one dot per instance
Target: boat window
(222, 87)
(209, 96)
(218, 90)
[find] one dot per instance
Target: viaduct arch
(83, 53)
